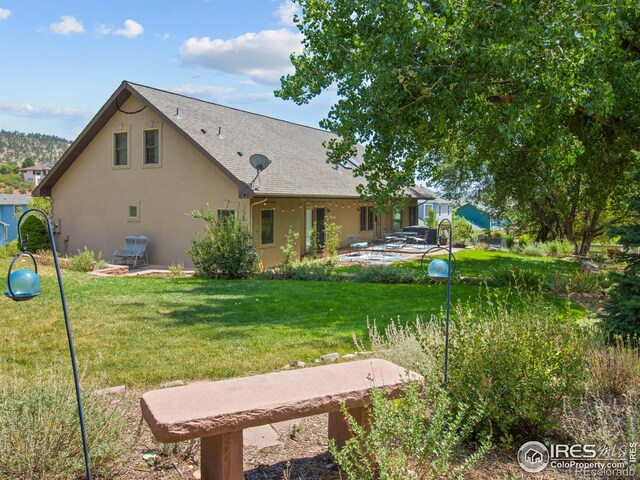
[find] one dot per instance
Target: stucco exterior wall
(293, 212)
(91, 200)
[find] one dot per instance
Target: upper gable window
(120, 149)
(152, 147)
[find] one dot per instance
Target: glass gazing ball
(438, 269)
(24, 283)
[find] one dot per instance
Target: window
(413, 215)
(366, 219)
(397, 218)
(152, 147)
(222, 214)
(133, 213)
(267, 224)
(120, 149)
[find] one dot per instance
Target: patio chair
(135, 251)
(355, 243)
(389, 238)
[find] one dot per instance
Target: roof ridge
(226, 106)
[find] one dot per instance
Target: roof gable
(228, 137)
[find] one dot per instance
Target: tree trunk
(543, 234)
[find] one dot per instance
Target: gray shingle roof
(14, 199)
(298, 158)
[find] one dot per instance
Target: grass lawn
(480, 263)
(144, 331)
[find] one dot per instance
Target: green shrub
(514, 276)
(532, 249)
(410, 438)
(9, 250)
(462, 230)
(35, 232)
(226, 248)
(517, 356)
(306, 270)
(382, 274)
(557, 248)
(580, 281)
(510, 242)
(288, 250)
(332, 236)
(40, 434)
(526, 239)
(85, 260)
(522, 358)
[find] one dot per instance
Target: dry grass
(615, 369)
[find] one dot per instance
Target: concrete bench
(217, 412)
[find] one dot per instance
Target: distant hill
(15, 147)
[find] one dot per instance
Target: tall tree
(623, 308)
(536, 102)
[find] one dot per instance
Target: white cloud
(286, 10)
(102, 29)
(4, 13)
(132, 29)
(224, 95)
(203, 91)
(263, 56)
(27, 110)
(67, 25)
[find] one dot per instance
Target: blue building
(479, 217)
(11, 205)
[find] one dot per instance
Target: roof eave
(43, 189)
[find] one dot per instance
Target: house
(149, 157)
(35, 173)
(443, 208)
(11, 206)
(479, 216)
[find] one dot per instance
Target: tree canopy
(532, 103)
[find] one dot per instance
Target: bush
(525, 239)
(85, 260)
(226, 248)
(510, 242)
(514, 276)
(576, 282)
(409, 438)
(10, 249)
(381, 274)
(289, 251)
(40, 434)
(332, 236)
(462, 230)
(517, 355)
(522, 360)
(306, 270)
(557, 248)
(532, 249)
(35, 232)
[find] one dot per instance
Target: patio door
(315, 217)
(397, 218)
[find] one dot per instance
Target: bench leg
(221, 457)
(339, 429)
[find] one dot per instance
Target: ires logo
(561, 452)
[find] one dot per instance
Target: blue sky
(61, 60)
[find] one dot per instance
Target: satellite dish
(259, 161)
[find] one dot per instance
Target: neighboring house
(35, 174)
(11, 205)
(149, 157)
(442, 207)
(479, 217)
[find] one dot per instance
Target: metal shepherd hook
(13, 294)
